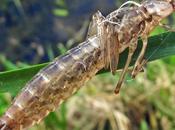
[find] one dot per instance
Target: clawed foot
(117, 89)
(138, 68)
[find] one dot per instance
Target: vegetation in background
(146, 103)
(61, 10)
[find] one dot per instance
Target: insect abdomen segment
(53, 84)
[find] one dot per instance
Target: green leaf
(52, 121)
(144, 125)
(159, 46)
(61, 3)
(61, 12)
(13, 81)
(50, 52)
(8, 65)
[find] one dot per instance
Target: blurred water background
(31, 29)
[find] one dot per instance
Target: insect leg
(167, 27)
(130, 2)
(139, 68)
(132, 48)
(140, 62)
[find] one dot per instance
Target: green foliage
(61, 48)
(3, 4)
(61, 3)
(161, 99)
(3, 102)
(50, 52)
(6, 63)
(12, 81)
(143, 125)
(54, 121)
(61, 10)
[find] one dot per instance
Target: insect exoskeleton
(139, 22)
(111, 35)
(159, 8)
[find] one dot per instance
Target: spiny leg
(140, 62)
(139, 68)
(167, 27)
(130, 2)
(132, 49)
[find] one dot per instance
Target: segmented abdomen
(52, 85)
